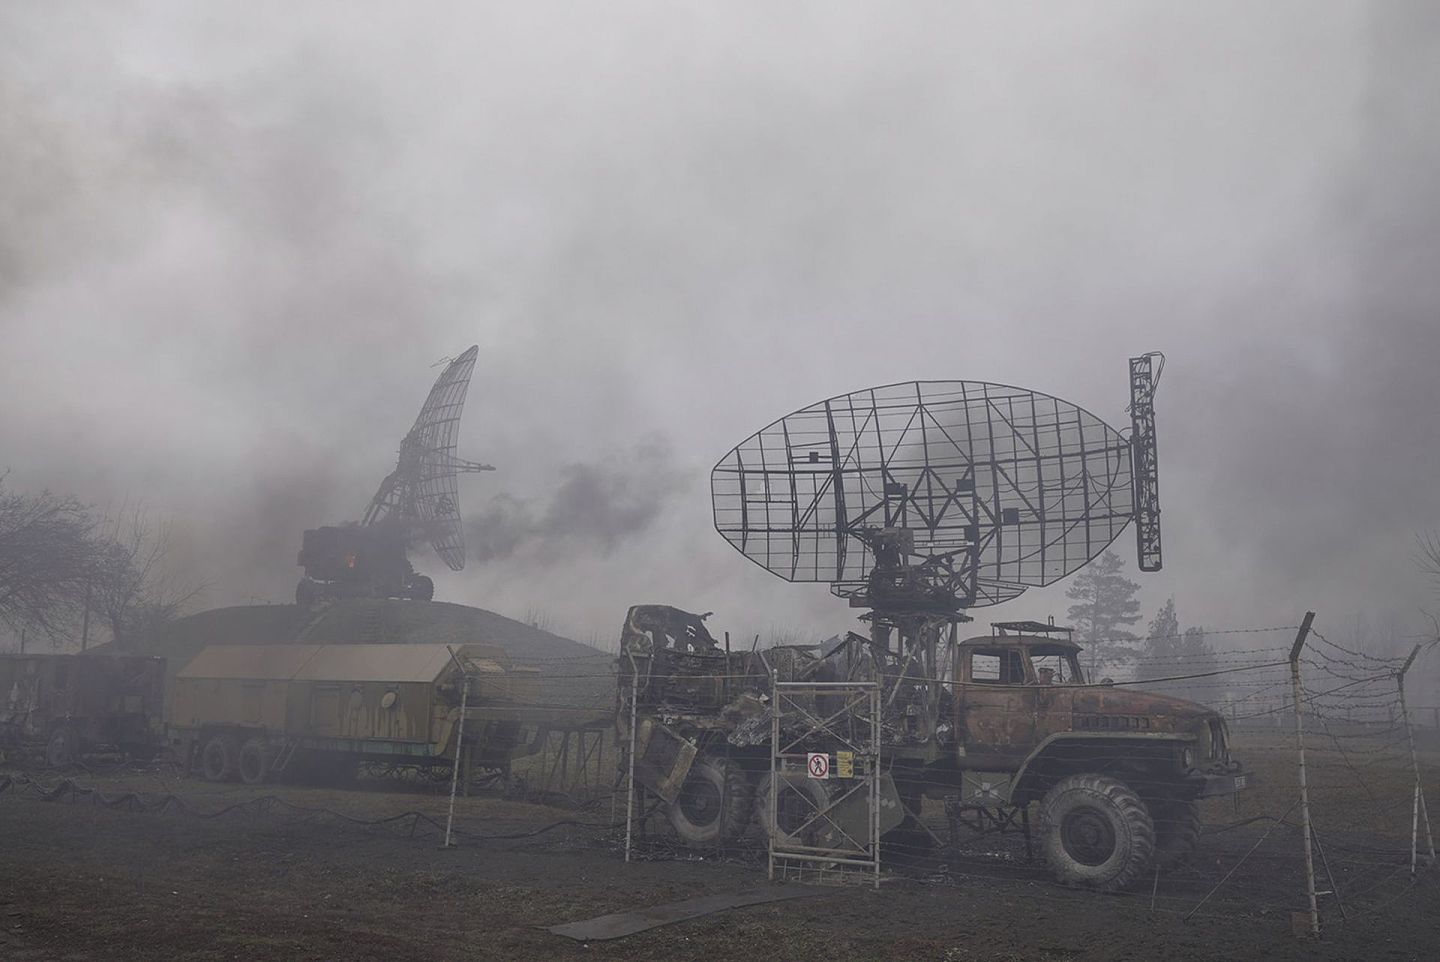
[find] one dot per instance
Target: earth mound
(571, 674)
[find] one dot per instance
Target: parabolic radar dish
(422, 492)
(1004, 488)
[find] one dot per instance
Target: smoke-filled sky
(235, 239)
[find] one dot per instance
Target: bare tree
(134, 592)
(47, 556)
(538, 618)
(1427, 554)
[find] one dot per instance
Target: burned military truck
(355, 561)
(1010, 723)
(59, 707)
(917, 502)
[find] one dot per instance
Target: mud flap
(662, 759)
(851, 815)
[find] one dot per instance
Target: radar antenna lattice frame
(422, 493)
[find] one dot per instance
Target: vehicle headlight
(1187, 757)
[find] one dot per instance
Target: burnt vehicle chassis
(358, 561)
(57, 708)
(994, 725)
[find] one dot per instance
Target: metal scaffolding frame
(814, 832)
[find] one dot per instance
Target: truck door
(995, 707)
(1057, 673)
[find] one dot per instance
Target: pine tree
(1172, 653)
(1105, 606)
(1162, 639)
(1197, 658)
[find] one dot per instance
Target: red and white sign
(818, 764)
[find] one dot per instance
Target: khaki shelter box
(249, 710)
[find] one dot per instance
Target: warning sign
(844, 764)
(818, 764)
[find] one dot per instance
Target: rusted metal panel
(662, 759)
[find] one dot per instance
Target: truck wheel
(305, 593)
(60, 750)
(798, 800)
(1096, 832)
(219, 758)
(1177, 831)
(253, 762)
(422, 588)
(714, 804)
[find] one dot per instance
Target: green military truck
(251, 712)
(1010, 723)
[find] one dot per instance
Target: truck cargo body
(248, 709)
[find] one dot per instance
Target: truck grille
(1112, 723)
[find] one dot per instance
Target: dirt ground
(84, 881)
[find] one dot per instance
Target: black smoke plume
(595, 507)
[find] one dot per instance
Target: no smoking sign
(818, 764)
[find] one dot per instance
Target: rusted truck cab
(1018, 697)
(1117, 771)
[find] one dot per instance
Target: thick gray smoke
(235, 237)
(595, 507)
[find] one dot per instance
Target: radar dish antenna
(419, 500)
(938, 496)
(422, 493)
(923, 499)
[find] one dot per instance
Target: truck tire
(219, 758)
(60, 750)
(422, 588)
(253, 762)
(1177, 831)
(714, 804)
(1096, 832)
(305, 593)
(799, 799)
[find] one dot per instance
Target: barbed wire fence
(1366, 789)
(1371, 762)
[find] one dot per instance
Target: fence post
(630, 781)
(776, 772)
(1295, 649)
(1418, 802)
(459, 742)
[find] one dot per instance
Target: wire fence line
(1365, 787)
(1364, 806)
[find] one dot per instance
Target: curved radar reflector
(437, 491)
(1011, 488)
(422, 492)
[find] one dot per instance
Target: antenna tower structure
(422, 493)
(418, 501)
(921, 500)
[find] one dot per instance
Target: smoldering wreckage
(915, 502)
